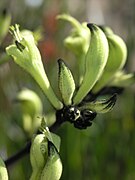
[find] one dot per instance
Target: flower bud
(38, 155)
(44, 156)
(32, 107)
(78, 40)
(66, 83)
(53, 167)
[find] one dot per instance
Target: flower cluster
(102, 57)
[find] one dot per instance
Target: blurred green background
(104, 151)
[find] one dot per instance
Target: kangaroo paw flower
(26, 54)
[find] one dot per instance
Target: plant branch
(18, 155)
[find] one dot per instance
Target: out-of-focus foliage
(106, 149)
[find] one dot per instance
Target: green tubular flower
(116, 60)
(53, 167)
(66, 83)
(26, 54)
(3, 170)
(44, 156)
(31, 109)
(96, 59)
(5, 20)
(77, 42)
(38, 156)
